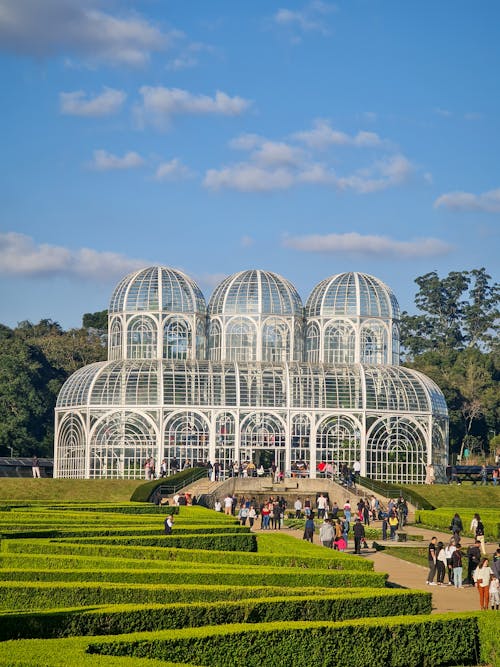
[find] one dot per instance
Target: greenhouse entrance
(264, 457)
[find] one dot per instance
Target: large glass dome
(157, 289)
(354, 295)
(255, 292)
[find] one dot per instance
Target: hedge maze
(102, 585)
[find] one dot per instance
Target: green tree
(28, 389)
(98, 320)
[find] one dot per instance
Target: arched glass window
(120, 445)
(115, 340)
(141, 338)
(176, 339)
(312, 343)
(186, 440)
(338, 442)
(275, 340)
(340, 340)
(71, 444)
(215, 340)
(241, 340)
(373, 343)
(396, 451)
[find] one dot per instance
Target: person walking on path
(309, 528)
(359, 536)
(477, 528)
(456, 527)
(440, 563)
(456, 561)
(474, 557)
(326, 534)
(449, 549)
(431, 559)
(482, 578)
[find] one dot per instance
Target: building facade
(254, 376)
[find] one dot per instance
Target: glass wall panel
(142, 338)
(396, 451)
(339, 343)
(338, 442)
(186, 439)
(241, 340)
(177, 339)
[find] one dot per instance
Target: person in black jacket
(474, 556)
(359, 535)
(456, 527)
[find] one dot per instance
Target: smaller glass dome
(157, 289)
(352, 294)
(255, 292)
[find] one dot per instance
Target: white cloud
(79, 27)
(323, 135)
(104, 161)
(311, 18)
(21, 256)
(487, 202)
(246, 142)
(247, 177)
(159, 104)
(173, 170)
(279, 165)
(277, 153)
(189, 56)
(78, 103)
(367, 245)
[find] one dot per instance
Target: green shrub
(313, 558)
(396, 641)
(47, 595)
(351, 603)
(440, 519)
(224, 576)
(213, 542)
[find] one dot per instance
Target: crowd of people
(448, 561)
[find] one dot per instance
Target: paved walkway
(409, 575)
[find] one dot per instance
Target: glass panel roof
(157, 288)
(352, 294)
(255, 292)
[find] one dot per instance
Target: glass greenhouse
(253, 376)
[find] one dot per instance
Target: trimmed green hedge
(47, 595)
(333, 560)
(224, 576)
(396, 641)
(440, 519)
(72, 652)
(130, 531)
(125, 619)
(143, 492)
(213, 542)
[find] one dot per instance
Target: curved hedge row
(213, 542)
(331, 559)
(343, 605)
(215, 577)
(47, 595)
(396, 641)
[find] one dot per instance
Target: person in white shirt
(298, 508)
(228, 505)
(482, 577)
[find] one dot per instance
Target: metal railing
(394, 491)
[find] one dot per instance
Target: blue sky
(304, 138)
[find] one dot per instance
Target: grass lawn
(67, 490)
(454, 495)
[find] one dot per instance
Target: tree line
(453, 338)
